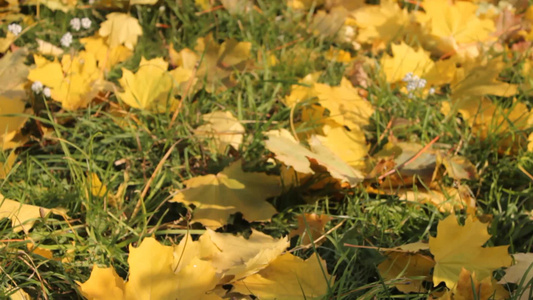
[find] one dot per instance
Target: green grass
(51, 171)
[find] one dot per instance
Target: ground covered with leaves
(240, 149)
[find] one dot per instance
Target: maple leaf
(12, 118)
(62, 5)
(470, 288)
(348, 145)
(120, 29)
(145, 2)
(521, 273)
(7, 165)
(345, 106)
(149, 88)
(103, 284)
(310, 227)
(406, 265)
(456, 27)
(294, 154)
(214, 63)
(13, 71)
(405, 60)
(6, 41)
(74, 82)
(107, 56)
(381, 24)
(479, 78)
(236, 257)
(230, 191)
(223, 129)
(288, 277)
(24, 216)
(456, 247)
(152, 277)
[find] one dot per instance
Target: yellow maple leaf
(470, 288)
(107, 56)
(62, 5)
(288, 278)
(5, 167)
(292, 153)
(223, 129)
(456, 247)
(215, 63)
(406, 265)
(5, 42)
(479, 78)
(144, 2)
(237, 257)
(13, 71)
(12, 118)
(230, 191)
(121, 29)
(74, 82)
(381, 24)
(345, 105)
(405, 60)
(456, 28)
(103, 284)
(348, 145)
(152, 276)
(23, 216)
(149, 88)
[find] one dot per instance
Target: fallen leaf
(237, 257)
(288, 278)
(401, 265)
(151, 276)
(103, 284)
(470, 288)
(74, 82)
(5, 167)
(310, 227)
(10, 125)
(46, 48)
(230, 191)
(456, 247)
(145, 2)
(13, 71)
(150, 88)
(223, 129)
(379, 25)
(294, 154)
(23, 216)
(106, 56)
(520, 273)
(121, 29)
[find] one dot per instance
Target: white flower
(66, 40)
(14, 28)
(75, 23)
(162, 8)
(37, 87)
(46, 92)
(431, 91)
(408, 77)
(86, 23)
